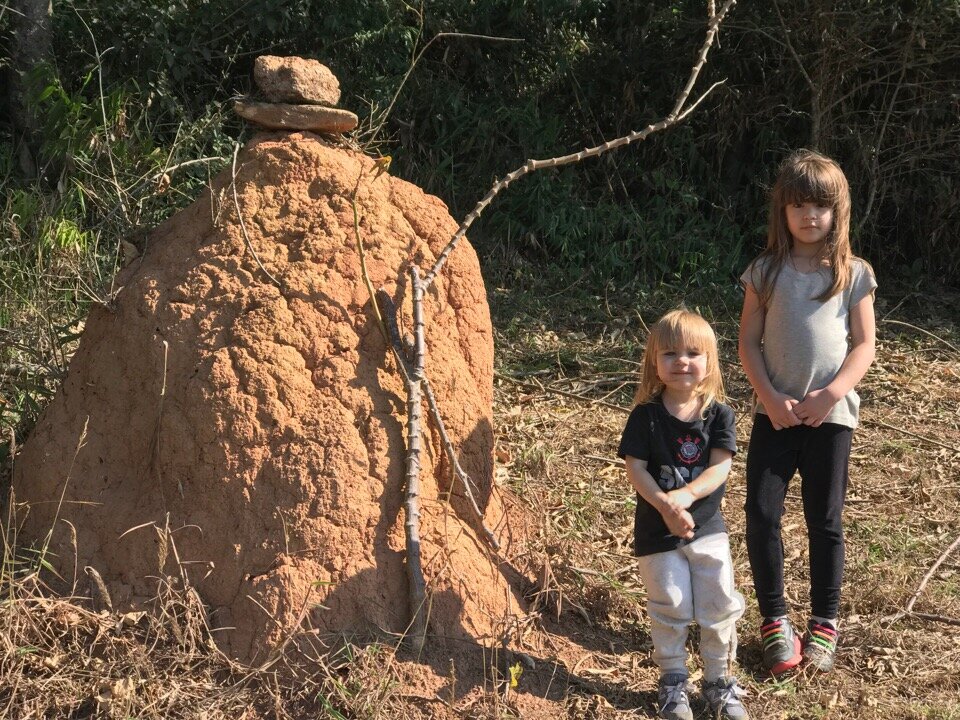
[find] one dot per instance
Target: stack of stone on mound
(302, 95)
(245, 429)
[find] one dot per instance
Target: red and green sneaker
(820, 645)
(781, 646)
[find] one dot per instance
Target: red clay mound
(263, 425)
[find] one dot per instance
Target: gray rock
(295, 80)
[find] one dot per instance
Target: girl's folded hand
(815, 407)
(780, 410)
(678, 521)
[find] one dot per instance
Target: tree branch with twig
(676, 115)
(411, 356)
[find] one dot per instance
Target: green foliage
(98, 170)
(555, 76)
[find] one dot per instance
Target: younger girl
(806, 339)
(678, 445)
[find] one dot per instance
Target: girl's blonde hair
(681, 329)
(807, 176)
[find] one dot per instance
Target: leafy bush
(869, 82)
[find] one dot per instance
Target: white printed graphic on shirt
(672, 478)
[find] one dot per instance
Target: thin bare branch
(564, 393)
(534, 165)
(926, 578)
(936, 618)
(875, 158)
(692, 107)
(712, 28)
(243, 227)
(363, 259)
(458, 472)
(951, 448)
(406, 76)
(815, 110)
(925, 332)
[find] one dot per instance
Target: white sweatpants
(693, 583)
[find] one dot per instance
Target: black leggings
(821, 455)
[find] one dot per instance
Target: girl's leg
(716, 603)
(823, 469)
(666, 577)
(771, 462)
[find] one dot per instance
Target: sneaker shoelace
(823, 636)
(720, 695)
(676, 693)
(773, 632)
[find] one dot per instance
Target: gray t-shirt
(805, 341)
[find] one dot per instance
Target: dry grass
(60, 659)
(560, 393)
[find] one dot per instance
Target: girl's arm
(863, 333)
(709, 480)
(679, 522)
(779, 407)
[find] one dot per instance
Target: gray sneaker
(673, 697)
(781, 646)
(723, 696)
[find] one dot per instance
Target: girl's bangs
(686, 334)
(812, 183)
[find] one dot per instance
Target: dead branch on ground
(908, 610)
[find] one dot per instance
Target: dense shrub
(871, 83)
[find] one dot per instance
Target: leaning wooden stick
(411, 361)
(412, 372)
(417, 589)
(388, 312)
(676, 115)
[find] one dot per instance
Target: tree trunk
(32, 46)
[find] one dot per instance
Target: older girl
(806, 339)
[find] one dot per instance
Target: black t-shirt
(676, 453)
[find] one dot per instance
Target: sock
(713, 671)
(674, 671)
(825, 621)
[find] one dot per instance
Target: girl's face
(681, 369)
(808, 222)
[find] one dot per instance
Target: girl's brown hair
(806, 176)
(681, 329)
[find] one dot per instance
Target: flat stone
(295, 80)
(282, 116)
